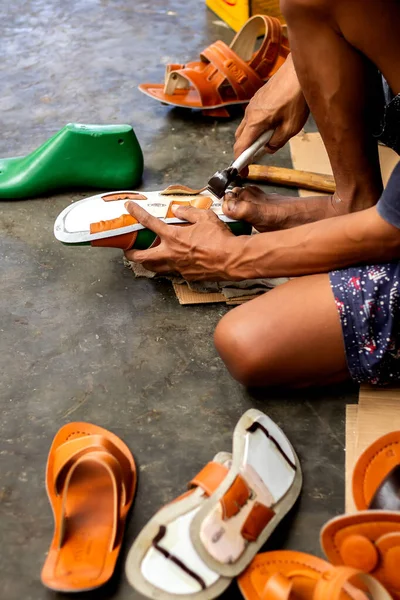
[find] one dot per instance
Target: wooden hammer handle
(292, 178)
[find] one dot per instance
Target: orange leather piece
(331, 584)
(389, 549)
(123, 221)
(177, 189)
(91, 482)
(236, 497)
(123, 196)
(381, 530)
(359, 552)
(210, 477)
(258, 518)
(124, 241)
(285, 574)
(278, 587)
(373, 466)
(201, 202)
(225, 75)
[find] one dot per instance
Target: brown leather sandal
(225, 75)
(370, 539)
(287, 575)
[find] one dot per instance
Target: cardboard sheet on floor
(309, 154)
(377, 413)
(350, 449)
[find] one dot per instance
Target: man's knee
(237, 345)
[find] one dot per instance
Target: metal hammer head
(221, 180)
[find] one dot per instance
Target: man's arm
(316, 247)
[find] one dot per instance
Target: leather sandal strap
(113, 468)
(277, 587)
(332, 583)
(210, 477)
(71, 451)
(185, 78)
(241, 77)
(244, 43)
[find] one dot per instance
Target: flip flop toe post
(91, 481)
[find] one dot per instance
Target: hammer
(221, 180)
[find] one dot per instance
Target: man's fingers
(146, 219)
(141, 256)
(249, 135)
(190, 214)
(279, 138)
(239, 130)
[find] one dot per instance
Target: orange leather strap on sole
(126, 241)
(91, 482)
(289, 575)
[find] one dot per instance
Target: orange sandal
(91, 482)
(287, 575)
(370, 539)
(225, 75)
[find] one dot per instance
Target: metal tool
(221, 180)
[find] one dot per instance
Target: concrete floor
(80, 338)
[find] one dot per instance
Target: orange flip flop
(225, 75)
(370, 539)
(288, 575)
(91, 482)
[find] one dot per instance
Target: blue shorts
(368, 302)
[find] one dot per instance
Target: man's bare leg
(335, 45)
(290, 336)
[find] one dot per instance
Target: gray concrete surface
(80, 338)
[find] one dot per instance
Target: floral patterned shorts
(368, 302)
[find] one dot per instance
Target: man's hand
(204, 250)
(278, 105)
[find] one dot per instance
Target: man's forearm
(292, 212)
(316, 247)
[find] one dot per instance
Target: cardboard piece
(187, 296)
(351, 434)
(377, 413)
(309, 154)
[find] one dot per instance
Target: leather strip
(113, 467)
(123, 196)
(242, 78)
(124, 241)
(210, 477)
(257, 425)
(202, 203)
(332, 584)
(72, 450)
(258, 518)
(278, 587)
(175, 190)
(155, 543)
(235, 498)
